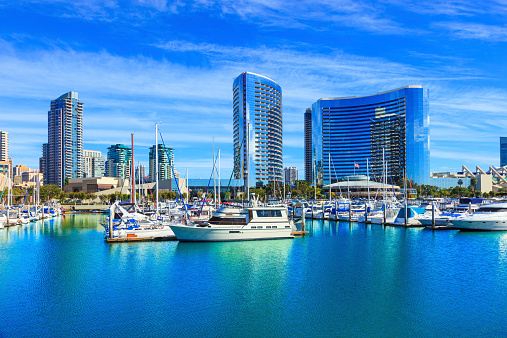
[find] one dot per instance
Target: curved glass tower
(349, 131)
(257, 119)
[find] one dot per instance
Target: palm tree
(460, 182)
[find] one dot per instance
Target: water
(60, 279)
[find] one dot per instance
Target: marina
(58, 276)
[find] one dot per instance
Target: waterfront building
(63, 154)
(43, 166)
(4, 146)
(165, 162)
(140, 172)
(257, 126)
(93, 163)
(349, 131)
(291, 175)
(503, 151)
(119, 161)
(308, 146)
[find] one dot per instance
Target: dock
(140, 239)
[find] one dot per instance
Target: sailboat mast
(330, 176)
(214, 179)
(156, 168)
(218, 176)
(368, 180)
(132, 176)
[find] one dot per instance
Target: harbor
(60, 277)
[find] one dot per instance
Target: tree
(49, 191)
(473, 182)
(460, 182)
(66, 181)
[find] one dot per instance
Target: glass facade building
(4, 146)
(503, 151)
(93, 163)
(119, 161)
(308, 146)
(165, 162)
(257, 120)
(349, 132)
(63, 154)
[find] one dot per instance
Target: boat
(234, 224)
(489, 217)
(127, 222)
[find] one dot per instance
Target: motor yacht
(489, 217)
(235, 224)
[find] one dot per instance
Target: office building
(165, 162)
(43, 166)
(503, 151)
(308, 145)
(4, 146)
(389, 127)
(140, 172)
(63, 154)
(291, 175)
(93, 163)
(257, 133)
(119, 161)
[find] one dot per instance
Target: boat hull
(465, 225)
(205, 234)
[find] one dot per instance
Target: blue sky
(135, 63)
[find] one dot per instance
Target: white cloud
(475, 31)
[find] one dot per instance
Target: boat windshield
(489, 209)
(227, 220)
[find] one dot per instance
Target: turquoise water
(60, 279)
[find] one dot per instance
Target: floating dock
(140, 239)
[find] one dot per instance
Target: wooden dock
(299, 233)
(140, 239)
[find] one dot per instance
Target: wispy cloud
(475, 31)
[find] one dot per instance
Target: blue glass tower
(391, 126)
(503, 151)
(257, 119)
(64, 150)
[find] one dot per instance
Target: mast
(368, 180)
(188, 192)
(329, 176)
(219, 177)
(214, 179)
(156, 167)
(247, 161)
(132, 176)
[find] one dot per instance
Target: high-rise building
(43, 166)
(503, 151)
(291, 175)
(119, 161)
(165, 162)
(4, 146)
(390, 127)
(93, 163)
(257, 134)
(140, 172)
(63, 155)
(308, 146)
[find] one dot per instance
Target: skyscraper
(503, 151)
(291, 175)
(119, 161)
(347, 132)
(93, 163)
(257, 120)
(63, 156)
(165, 162)
(4, 146)
(308, 145)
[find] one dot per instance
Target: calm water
(60, 279)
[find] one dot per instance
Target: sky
(135, 63)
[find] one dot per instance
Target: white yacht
(229, 224)
(490, 217)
